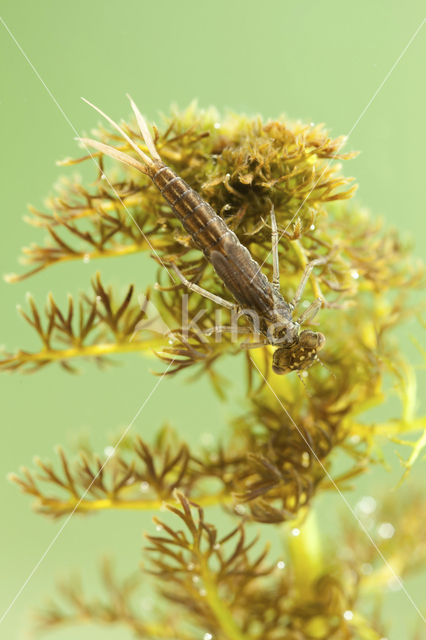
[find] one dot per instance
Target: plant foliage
(279, 452)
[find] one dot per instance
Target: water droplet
(295, 532)
(86, 258)
(306, 458)
(195, 579)
(281, 564)
(146, 604)
(386, 530)
(170, 341)
(348, 615)
(98, 298)
(228, 176)
(366, 505)
(217, 125)
(366, 569)
(216, 546)
(159, 527)
(312, 227)
(190, 566)
(394, 584)
(202, 593)
(207, 636)
(144, 487)
(354, 439)
(312, 124)
(240, 509)
(354, 274)
(103, 177)
(207, 439)
(109, 451)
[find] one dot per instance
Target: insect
(261, 300)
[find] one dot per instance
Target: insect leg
(304, 280)
(203, 292)
(310, 312)
(225, 329)
(275, 258)
(252, 345)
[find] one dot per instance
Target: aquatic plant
(280, 452)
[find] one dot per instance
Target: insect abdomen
(231, 260)
(199, 219)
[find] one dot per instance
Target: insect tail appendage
(149, 165)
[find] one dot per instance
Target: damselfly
(260, 299)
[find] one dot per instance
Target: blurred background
(314, 61)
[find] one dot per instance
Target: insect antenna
(299, 375)
(326, 367)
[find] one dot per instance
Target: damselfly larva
(260, 299)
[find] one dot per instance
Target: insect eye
(312, 340)
(281, 361)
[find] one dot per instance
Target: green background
(319, 61)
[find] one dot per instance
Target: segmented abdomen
(197, 216)
(231, 260)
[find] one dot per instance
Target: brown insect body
(232, 261)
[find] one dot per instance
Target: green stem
(217, 605)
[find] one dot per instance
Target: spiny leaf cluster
(280, 451)
(231, 587)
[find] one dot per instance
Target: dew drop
(228, 176)
(348, 615)
(281, 564)
(217, 125)
(207, 636)
(86, 258)
(144, 487)
(190, 566)
(354, 274)
(98, 298)
(195, 579)
(366, 505)
(386, 530)
(159, 527)
(366, 569)
(312, 227)
(216, 546)
(103, 177)
(109, 451)
(312, 124)
(202, 593)
(295, 532)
